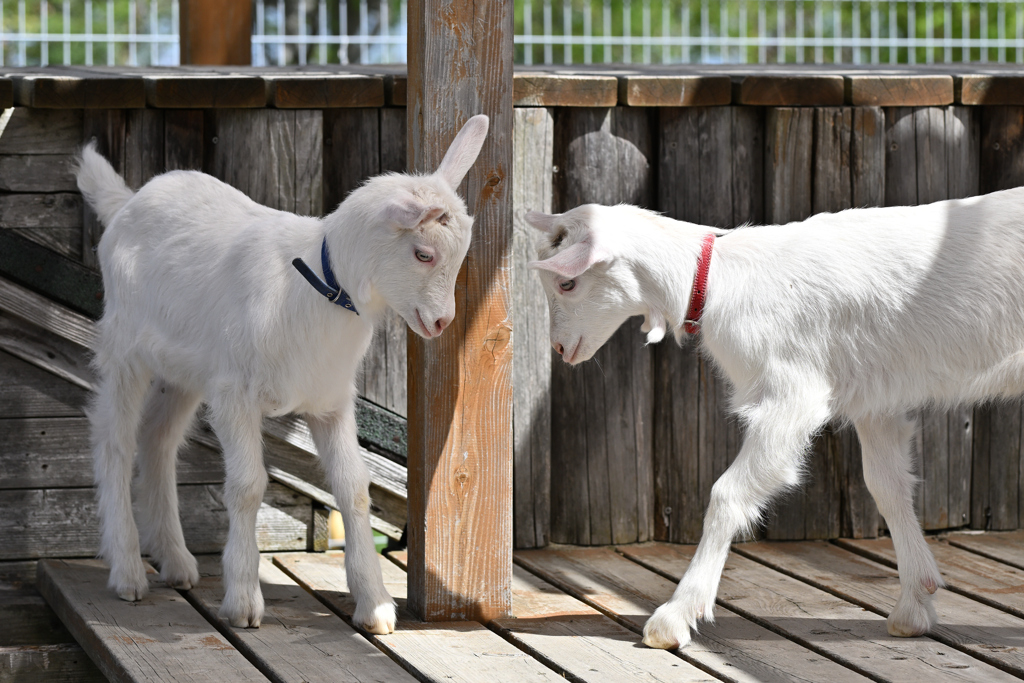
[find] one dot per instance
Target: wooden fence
(622, 449)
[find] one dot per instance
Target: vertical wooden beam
(216, 31)
(460, 391)
(531, 376)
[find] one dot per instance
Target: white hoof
(129, 580)
(180, 571)
(667, 629)
(379, 619)
(243, 609)
(913, 615)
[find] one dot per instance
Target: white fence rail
(144, 32)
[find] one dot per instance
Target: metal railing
(768, 31)
(133, 32)
(141, 32)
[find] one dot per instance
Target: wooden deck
(805, 611)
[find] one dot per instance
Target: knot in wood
(462, 475)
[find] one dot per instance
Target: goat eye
(568, 285)
(424, 256)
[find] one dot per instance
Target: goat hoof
(130, 584)
(666, 629)
(911, 617)
(180, 571)
(242, 609)
(380, 621)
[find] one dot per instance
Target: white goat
(202, 303)
(861, 315)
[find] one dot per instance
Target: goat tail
(102, 187)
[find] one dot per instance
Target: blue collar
(330, 289)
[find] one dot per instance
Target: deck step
(159, 638)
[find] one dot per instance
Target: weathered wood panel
(732, 648)
(184, 135)
(159, 638)
(531, 373)
(971, 575)
(272, 155)
(36, 523)
(460, 384)
(830, 625)
(985, 633)
(50, 663)
(27, 391)
(28, 620)
(107, 128)
(54, 452)
(1007, 547)
(603, 156)
(297, 641)
(42, 131)
(710, 172)
(37, 173)
(440, 651)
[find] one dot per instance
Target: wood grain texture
(184, 90)
(966, 573)
(39, 310)
(603, 156)
(788, 164)
(831, 626)
(531, 374)
(311, 90)
(143, 146)
(732, 648)
(183, 140)
(107, 128)
(49, 663)
(778, 90)
(460, 384)
(575, 639)
(1007, 547)
(273, 156)
(37, 523)
(675, 91)
(298, 641)
(42, 131)
(37, 173)
(985, 633)
(867, 156)
(55, 452)
(160, 638)
(28, 620)
(56, 210)
(710, 172)
(68, 87)
(216, 32)
(27, 391)
(439, 651)
(550, 90)
(882, 90)
(989, 89)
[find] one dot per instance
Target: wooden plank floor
(796, 611)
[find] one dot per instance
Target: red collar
(700, 286)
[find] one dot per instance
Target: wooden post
(217, 32)
(460, 393)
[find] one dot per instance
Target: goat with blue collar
(203, 303)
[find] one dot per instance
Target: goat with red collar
(861, 316)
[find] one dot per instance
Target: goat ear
(463, 151)
(573, 261)
(542, 221)
(407, 212)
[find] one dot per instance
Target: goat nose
(558, 347)
(441, 323)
